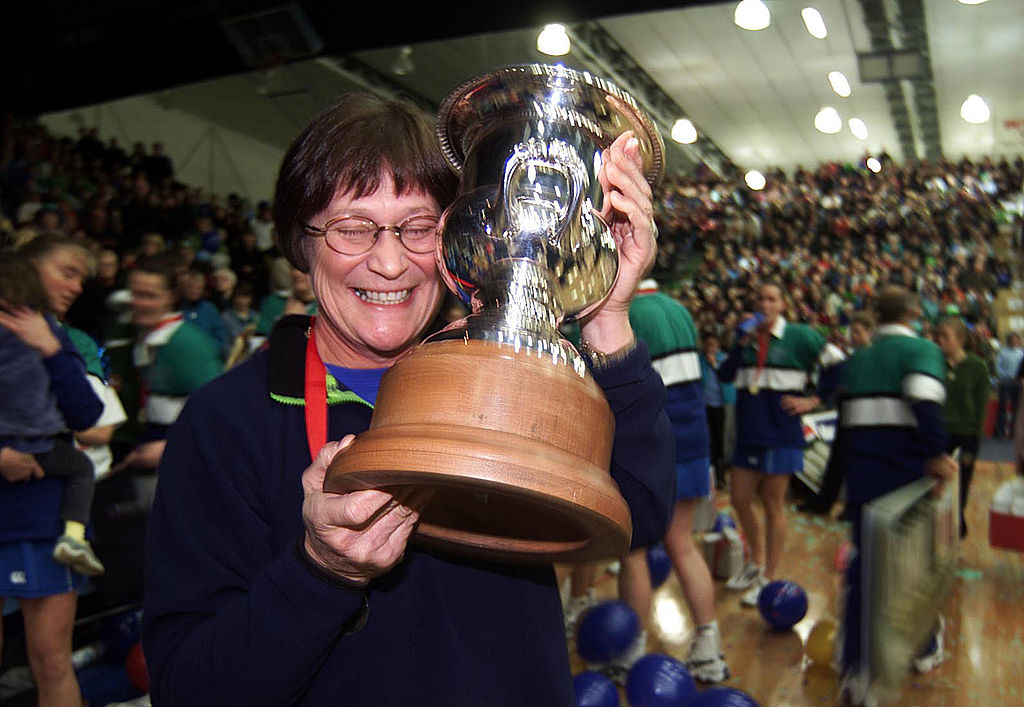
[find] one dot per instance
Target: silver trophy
(523, 245)
(497, 415)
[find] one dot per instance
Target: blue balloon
(783, 604)
(606, 632)
(659, 564)
(723, 697)
(120, 632)
(659, 681)
(595, 690)
(722, 521)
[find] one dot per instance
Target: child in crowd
(30, 421)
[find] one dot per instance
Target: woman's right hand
(359, 535)
(18, 466)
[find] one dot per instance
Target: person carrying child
(39, 364)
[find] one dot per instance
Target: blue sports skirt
(769, 460)
(693, 478)
(28, 571)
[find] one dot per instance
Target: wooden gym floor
(984, 619)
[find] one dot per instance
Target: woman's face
(375, 304)
(62, 271)
(152, 299)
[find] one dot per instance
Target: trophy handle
(546, 165)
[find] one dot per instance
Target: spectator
(198, 310)
(1008, 362)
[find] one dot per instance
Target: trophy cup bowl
(497, 414)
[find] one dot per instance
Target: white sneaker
(745, 577)
(856, 689)
(705, 660)
(574, 608)
(750, 596)
(933, 654)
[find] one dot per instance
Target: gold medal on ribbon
(753, 388)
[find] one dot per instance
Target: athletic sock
(74, 529)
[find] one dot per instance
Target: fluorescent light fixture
(858, 128)
(752, 15)
(684, 131)
(814, 23)
(754, 179)
(874, 165)
(553, 41)
(828, 121)
(972, 2)
(975, 110)
(839, 83)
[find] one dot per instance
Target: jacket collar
(286, 368)
(779, 327)
(894, 330)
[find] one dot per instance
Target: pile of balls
(606, 634)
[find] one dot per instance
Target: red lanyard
(316, 396)
(763, 342)
(763, 337)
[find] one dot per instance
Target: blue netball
(722, 521)
(606, 632)
(659, 681)
(659, 564)
(595, 690)
(783, 604)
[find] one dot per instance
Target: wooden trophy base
(514, 448)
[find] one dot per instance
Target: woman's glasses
(351, 235)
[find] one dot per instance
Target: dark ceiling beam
(608, 58)
(914, 35)
(876, 21)
(369, 78)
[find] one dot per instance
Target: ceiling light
(754, 179)
(752, 15)
(828, 121)
(858, 128)
(839, 83)
(814, 23)
(553, 40)
(874, 165)
(972, 2)
(684, 131)
(403, 62)
(975, 110)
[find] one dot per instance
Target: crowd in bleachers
(835, 235)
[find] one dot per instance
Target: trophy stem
(519, 296)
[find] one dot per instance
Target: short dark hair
(164, 265)
(347, 147)
(894, 303)
(20, 284)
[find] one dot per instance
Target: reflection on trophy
(497, 414)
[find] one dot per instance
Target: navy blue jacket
(235, 615)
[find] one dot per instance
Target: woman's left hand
(629, 211)
(30, 326)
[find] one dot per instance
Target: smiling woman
(248, 555)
